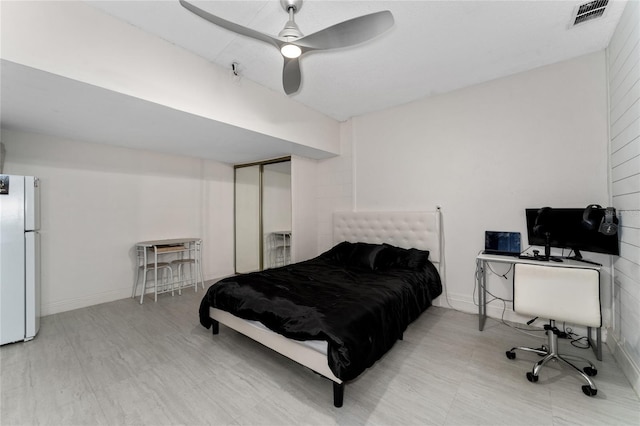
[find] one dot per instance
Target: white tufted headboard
(419, 230)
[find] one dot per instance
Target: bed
(338, 313)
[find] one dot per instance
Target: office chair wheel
(512, 355)
(590, 371)
(589, 391)
(534, 379)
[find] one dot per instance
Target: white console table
(481, 264)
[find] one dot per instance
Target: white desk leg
(155, 268)
(178, 280)
(135, 282)
(597, 345)
(284, 249)
(287, 250)
(173, 281)
(199, 273)
(144, 275)
(482, 293)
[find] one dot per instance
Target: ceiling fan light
(290, 51)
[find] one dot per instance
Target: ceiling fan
(293, 44)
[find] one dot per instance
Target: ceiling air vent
(588, 11)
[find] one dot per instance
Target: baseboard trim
(84, 301)
(625, 361)
(95, 299)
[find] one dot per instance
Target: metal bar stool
(182, 279)
(167, 279)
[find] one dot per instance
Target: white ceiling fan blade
(349, 33)
(344, 34)
(291, 75)
(247, 32)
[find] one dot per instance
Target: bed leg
(401, 337)
(215, 327)
(338, 394)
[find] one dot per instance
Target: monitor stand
(547, 251)
(578, 257)
(547, 258)
(542, 258)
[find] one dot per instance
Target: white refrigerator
(19, 258)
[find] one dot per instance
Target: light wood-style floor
(153, 364)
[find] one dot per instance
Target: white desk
(481, 265)
(190, 247)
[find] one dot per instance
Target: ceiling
(434, 47)
(42, 102)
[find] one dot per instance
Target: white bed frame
(403, 229)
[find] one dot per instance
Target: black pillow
(339, 254)
(397, 257)
(364, 255)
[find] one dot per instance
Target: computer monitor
(566, 228)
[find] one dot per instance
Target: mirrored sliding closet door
(262, 215)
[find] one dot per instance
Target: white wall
(623, 57)
(304, 230)
(98, 201)
(486, 153)
(335, 187)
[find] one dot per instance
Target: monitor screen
(566, 229)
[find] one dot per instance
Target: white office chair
(559, 294)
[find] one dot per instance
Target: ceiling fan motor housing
(291, 30)
(296, 5)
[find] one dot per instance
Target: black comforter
(359, 302)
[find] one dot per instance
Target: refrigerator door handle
(32, 284)
(31, 203)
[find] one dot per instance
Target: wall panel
(623, 57)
